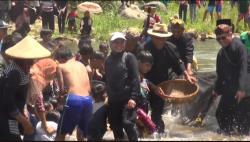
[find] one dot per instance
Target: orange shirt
(44, 71)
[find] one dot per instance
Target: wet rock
(203, 36)
(158, 4)
(133, 11)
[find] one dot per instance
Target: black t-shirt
(164, 59)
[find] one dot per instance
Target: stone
(158, 4)
(133, 11)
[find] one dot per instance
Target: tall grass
(110, 21)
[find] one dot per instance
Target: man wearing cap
(3, 31)
(123, 88)
(15, 79)
(165, 57)
(231, 68)
(183, 43)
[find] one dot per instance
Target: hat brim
(150, 32)
(28, 48)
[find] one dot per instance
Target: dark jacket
(13, 92)
(231, 68)
(164, 59)
(184, 46)
(122, 77)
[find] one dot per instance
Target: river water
(205, 53)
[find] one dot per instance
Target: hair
(103, 45)
(86, 49)
(84, 40)
(53, 116)
(98, 90)
(87, 14)
(145, 57)
(45, 32)
(63, 53)
(222, 29)
(98, 55)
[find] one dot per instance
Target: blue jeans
(192, 12)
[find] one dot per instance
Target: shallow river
(205, 53)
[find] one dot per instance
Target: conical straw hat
(28, 48)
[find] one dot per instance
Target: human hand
(240, 95)
(28, 128)
(158, 91)
(48, 130)
(131, 104)
(190, 78)
(214, 95)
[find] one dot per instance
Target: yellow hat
(28, 48)
(159, 30)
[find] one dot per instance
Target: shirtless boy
(73, 80)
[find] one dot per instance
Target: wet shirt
(184, 46)
(231, 68)
(164, 59)
(122, 77)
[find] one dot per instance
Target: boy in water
(73, 80)
(145, 60)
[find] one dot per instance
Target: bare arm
(60, 79)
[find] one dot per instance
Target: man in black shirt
(183, 43)
(123, 88)
(231, 68)
(165, 57)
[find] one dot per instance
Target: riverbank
(110, 21)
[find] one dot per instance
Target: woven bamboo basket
(179, 91)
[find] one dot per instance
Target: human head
(3, 29)
(104, 48)
(33, 50)
(145, 60)
(159, 34)
(150, 9)
(133, 37)
(97, 60)
(9, 41)
(63, 54)
(84, 40)
(87, 14)
(86, 51)
(99, 91)
(223, 34)
(46, 34)
(117, 42)
(177, 28)
(53, 115)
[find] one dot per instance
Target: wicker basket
(179, 91)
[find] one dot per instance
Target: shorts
(77, 111)
(218, 8)
(210, 9)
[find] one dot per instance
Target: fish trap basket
(179, 91)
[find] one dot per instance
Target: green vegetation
(110, 21)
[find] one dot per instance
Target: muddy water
(205, 53)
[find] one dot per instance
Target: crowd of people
(47, 92)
